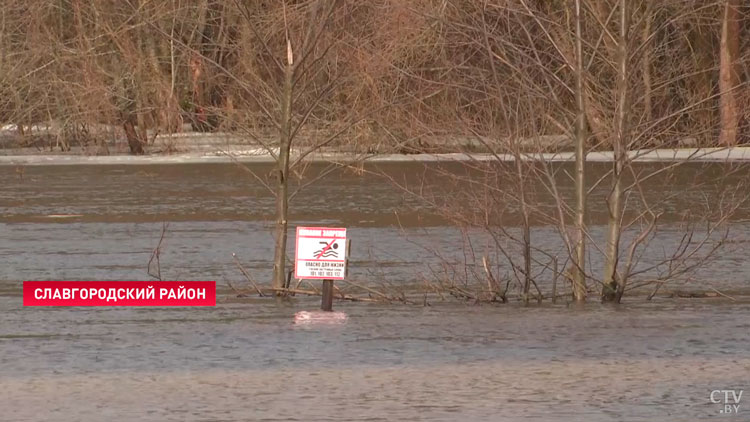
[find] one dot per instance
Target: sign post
(321, 255)
(326, 302)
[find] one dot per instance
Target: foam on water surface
(319, 317)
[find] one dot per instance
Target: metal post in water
(326, 303)
(554, 280)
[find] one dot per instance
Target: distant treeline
(411, 69)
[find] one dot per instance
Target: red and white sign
(320, 253)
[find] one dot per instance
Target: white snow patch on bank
(736, 154)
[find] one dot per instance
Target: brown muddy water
(642, 361)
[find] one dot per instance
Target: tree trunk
(526, 223)
(282, 191)
(645, 39)
(700, 84)
(134, 141)
(729, 75)
(579, 273)
(140, 116)
(614, 202)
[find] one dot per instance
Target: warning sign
(320, 253)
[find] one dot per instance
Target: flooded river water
(245, 360)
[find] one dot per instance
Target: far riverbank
(260, 155)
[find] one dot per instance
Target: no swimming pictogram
(328, 250)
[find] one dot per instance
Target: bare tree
(622, 115)
(291, 64)
(579, 277)
(513, 52)
(729, 72)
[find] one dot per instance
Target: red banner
(119, 293)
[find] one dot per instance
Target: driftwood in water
(338, 295)
(247, 276)
(697, 294)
